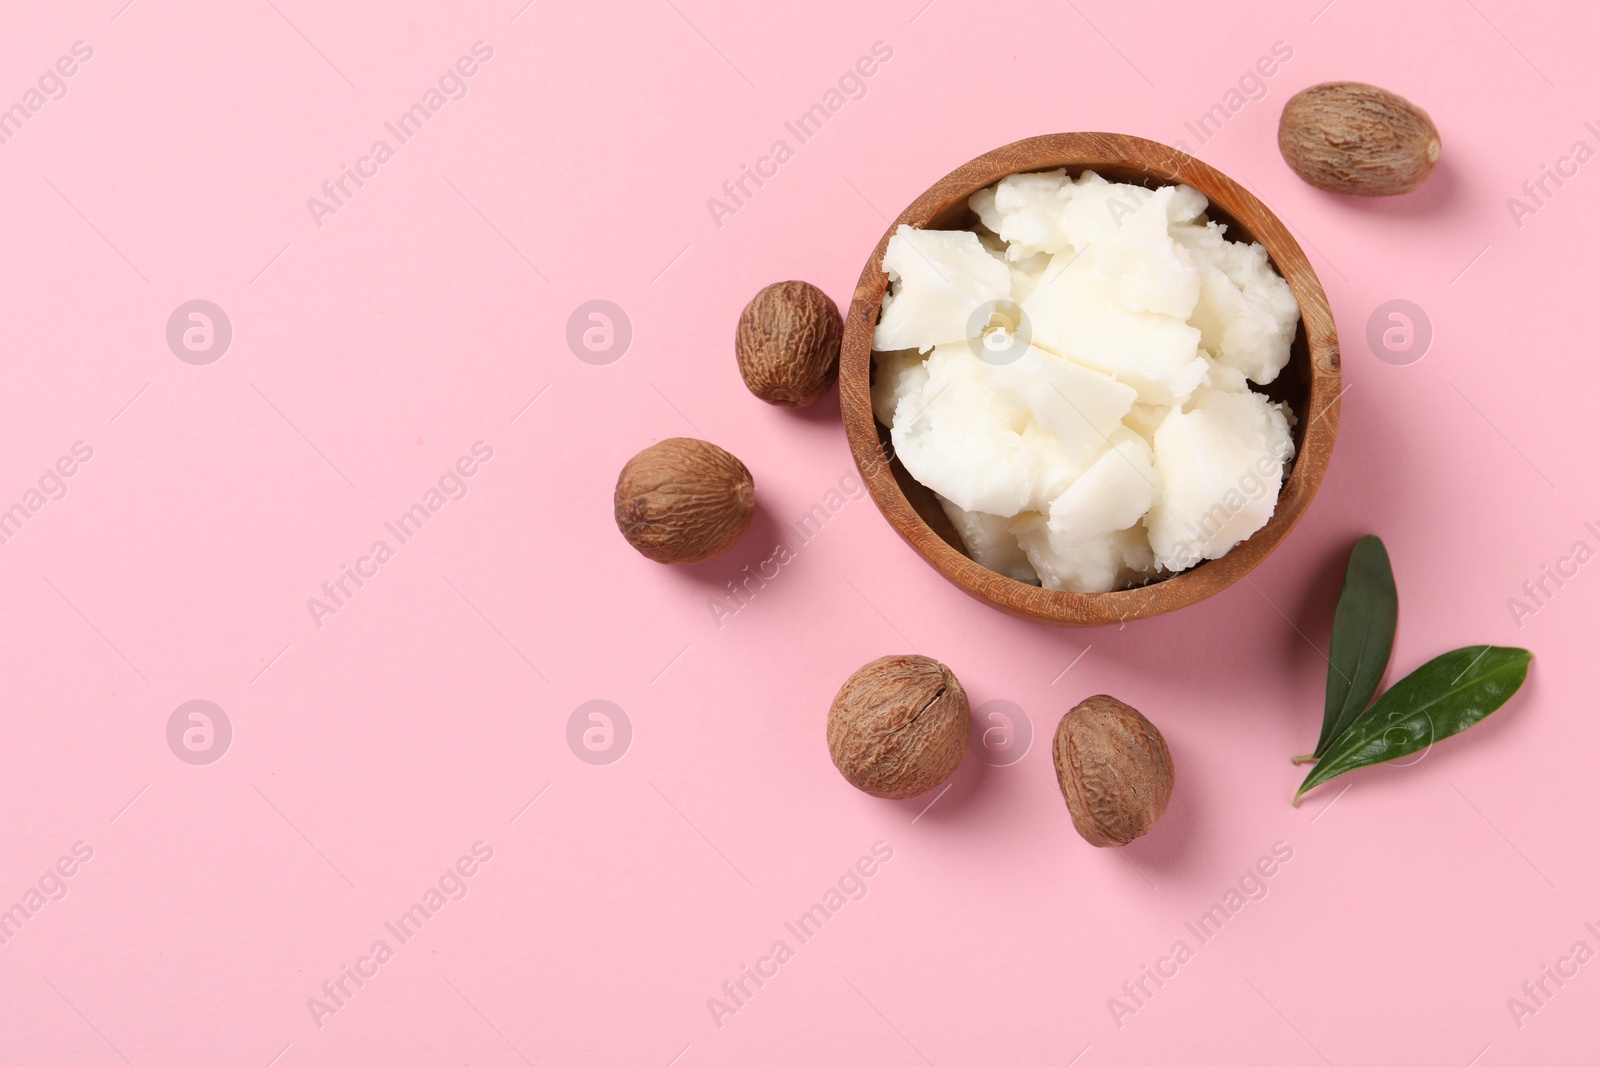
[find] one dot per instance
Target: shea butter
(1074, 378)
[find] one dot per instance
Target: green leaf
(1363, 638)
(1442, 697)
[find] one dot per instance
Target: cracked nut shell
(1114, 769)
(899, 726)
(1347, 137)
(788, 344)
(683, 500)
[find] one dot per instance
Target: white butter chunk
(937, 279)
(1220, 465)
(989, 541)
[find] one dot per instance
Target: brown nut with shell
(899, 726)
(1348, 137)
(683, 500)
(1114, 770)
(788, 344)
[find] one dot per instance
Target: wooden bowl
(1310, 382)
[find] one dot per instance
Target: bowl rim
(1165, 165)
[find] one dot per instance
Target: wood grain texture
(1310, 383)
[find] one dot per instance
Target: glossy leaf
(1363, 638)
(1442, 697)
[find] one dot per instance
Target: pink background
(372, 752)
